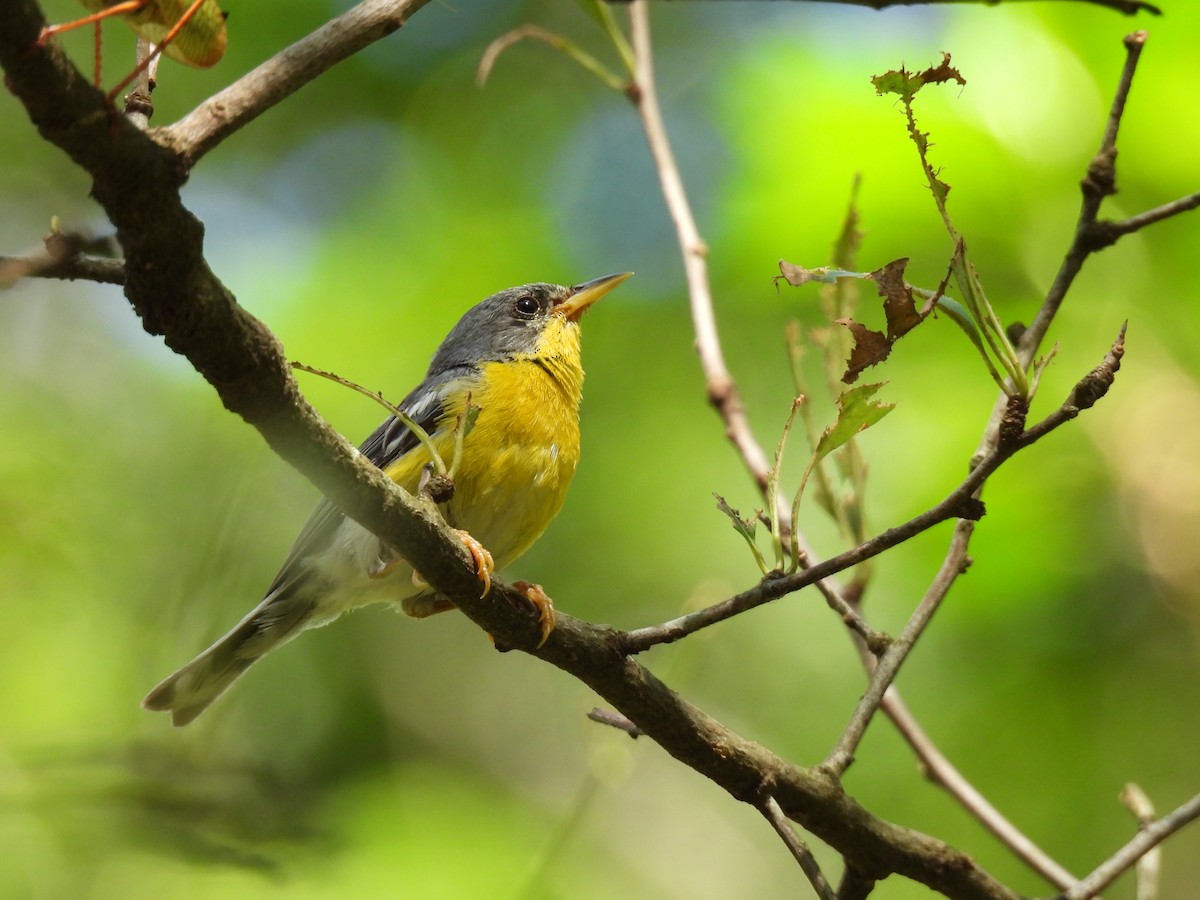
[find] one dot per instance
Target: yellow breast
(519, 458)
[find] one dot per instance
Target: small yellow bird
(516, 357)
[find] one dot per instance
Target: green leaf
(745, 527)
(856, 412)
(906, 84)
(901, 82)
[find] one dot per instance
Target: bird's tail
(188, 692)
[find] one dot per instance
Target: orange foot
(542, 603)
(484, 564)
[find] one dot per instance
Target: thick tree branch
(176, 295)
(281, 76)
(754, 460)
(169, 284)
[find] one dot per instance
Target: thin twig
(1099, 183)
(1083, 395)
(959, 503)
(281, 76)
(722, 390)
(1151, 216)
(139, 108)
(1150, 836)
(615, 720)
(1150, 864)
(893, 658)
(71, 268)
(944, 774)
(799, 850)
(557, 41)
(69, 256)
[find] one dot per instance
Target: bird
(512, 368)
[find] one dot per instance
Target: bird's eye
(526, 307)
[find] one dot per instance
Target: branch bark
(281, 76)
(168, 282)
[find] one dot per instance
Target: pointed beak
(584, 295)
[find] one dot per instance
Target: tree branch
(1099, 183)
(1150, 836)
(888, 666)
(959, 503)
(281, 76)
(799, 850)
(176, 295)
(1115, 230)
(68, 268)
(1149, 864)
(1090, 388)
(722, 390)
(942, 772)
(873, 643)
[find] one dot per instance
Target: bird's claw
(542, 603)
(484, 564)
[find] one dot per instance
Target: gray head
(519, 322)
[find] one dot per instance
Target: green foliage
(359, 219)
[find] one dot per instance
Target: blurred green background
(387, 757)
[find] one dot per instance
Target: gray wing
(391, 440)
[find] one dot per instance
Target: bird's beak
(584, 295)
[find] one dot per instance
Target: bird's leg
(542, 603)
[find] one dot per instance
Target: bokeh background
(387, 757)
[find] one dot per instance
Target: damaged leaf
(899, 309)
(906, 84)
(857, 411)
(745, 527)
(870, 348)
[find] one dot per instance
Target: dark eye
(526, 307)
